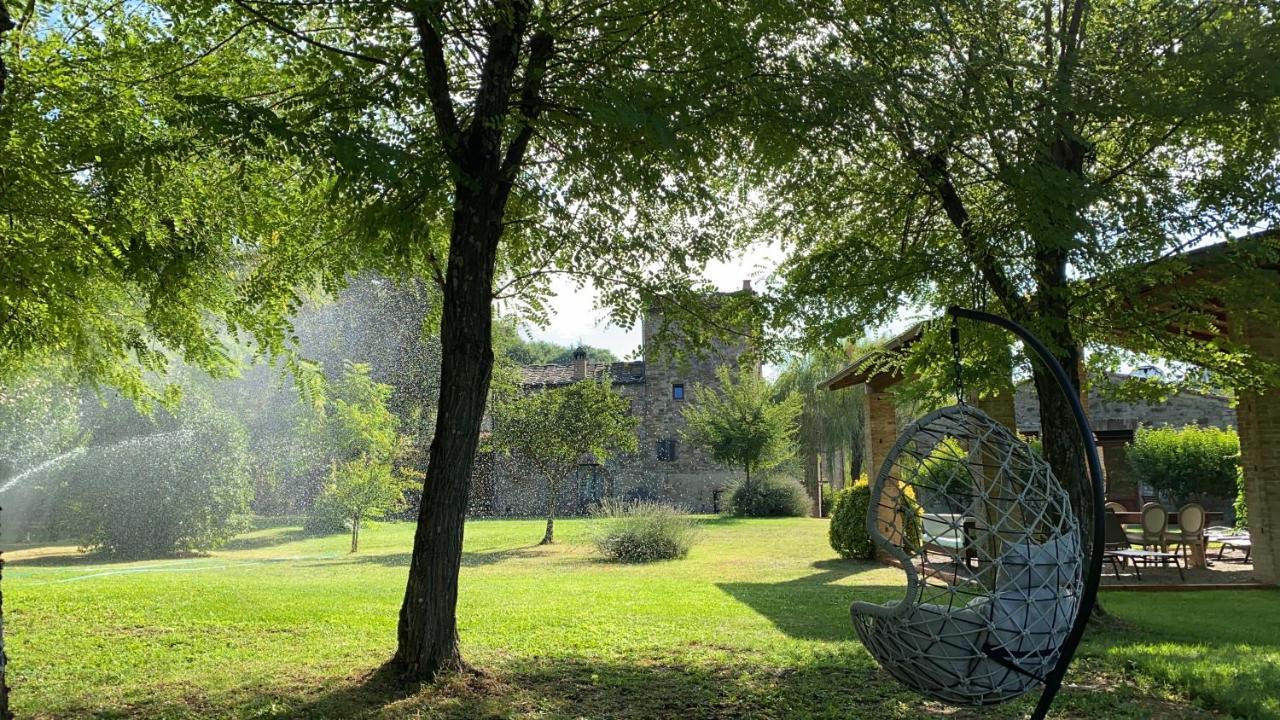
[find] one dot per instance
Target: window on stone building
(667, 450)
(677, 391)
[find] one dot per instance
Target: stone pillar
(881, 432)
(999, 407)
(880, 428)
(1258, 416)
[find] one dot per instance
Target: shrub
(848, 532)
(1186, 463)
(181, 491)
(1239, 508)
(638, 532)
(770, 496)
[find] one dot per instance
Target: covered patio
(1257, 411)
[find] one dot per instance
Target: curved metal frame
(1094, 573)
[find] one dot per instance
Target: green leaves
(553, 428)
(967, 159)
(1186, 463)
(741, 425)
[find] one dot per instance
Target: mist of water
(46, 465)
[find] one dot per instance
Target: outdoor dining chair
(1116, 550)
(1190, 530)
(1154, 523)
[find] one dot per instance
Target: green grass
(754, 623)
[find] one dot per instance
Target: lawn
(753, 624)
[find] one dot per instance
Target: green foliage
(544, 352)
(1034, 442)
(1000, 153)
(552, 429)
(848, 531)
(365, 487)
(944, 472)
(1240, 507)
(129, 242)
(39, 418)
(770, 496)
(741, 425)
(360, 439)
(1186, 463)
(185, 490)
(638, 532)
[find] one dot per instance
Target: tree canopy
(125, 232)
(1041, 159)
(741, 425)
(552, 430)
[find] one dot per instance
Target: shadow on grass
(839, 685)
(469, 559)
(271, 540)
(1219, 647)
(71, 557)
(813, 607)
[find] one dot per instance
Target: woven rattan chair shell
(991, 555)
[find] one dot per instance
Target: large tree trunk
(1064, 447)
(428, 636)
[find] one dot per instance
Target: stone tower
(688, 476)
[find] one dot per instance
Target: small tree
(741, 425)
(1188, 462)
(553, 429)
(366, 487)
(359, 438)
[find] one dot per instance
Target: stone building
(1114, 423)
(665, 468)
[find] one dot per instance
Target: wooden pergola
(1258, 412)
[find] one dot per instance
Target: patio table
(1197, 557)
(1237, 542)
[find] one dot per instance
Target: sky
(576, 319)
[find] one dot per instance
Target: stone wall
(691, 480)
(1184, 408)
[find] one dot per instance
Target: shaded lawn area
(753, 624)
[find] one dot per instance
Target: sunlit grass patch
(752, 623)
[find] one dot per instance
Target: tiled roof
(621, 373)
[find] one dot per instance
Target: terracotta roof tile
(621, 373)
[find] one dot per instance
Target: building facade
(665, 468)
(1115, 421)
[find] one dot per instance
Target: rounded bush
(770, 496)
(848, 531)
(182, 491)
(636, 532)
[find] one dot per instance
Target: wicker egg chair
(990, 547)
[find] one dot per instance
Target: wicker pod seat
(990, 547)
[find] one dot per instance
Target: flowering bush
(642, 531)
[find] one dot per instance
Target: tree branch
(437, 68)
(6, 24)
(280, 27)
(541, 48)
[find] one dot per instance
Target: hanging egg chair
(991, 551)
(991, 548)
